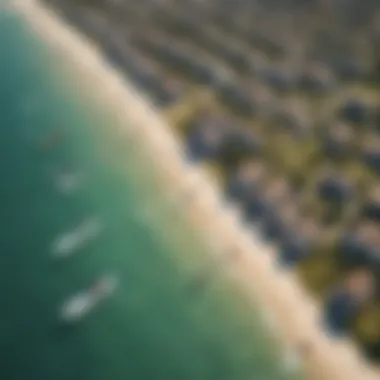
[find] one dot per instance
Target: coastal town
(283, 111)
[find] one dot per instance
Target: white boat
(71, 242)
(81, 304)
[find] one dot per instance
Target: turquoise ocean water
(174, 316)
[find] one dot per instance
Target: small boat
(71, 242)
(84, 302)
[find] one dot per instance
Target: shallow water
(174, 316)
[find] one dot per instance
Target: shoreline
(294, 313)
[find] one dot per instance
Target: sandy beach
(247, 259)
